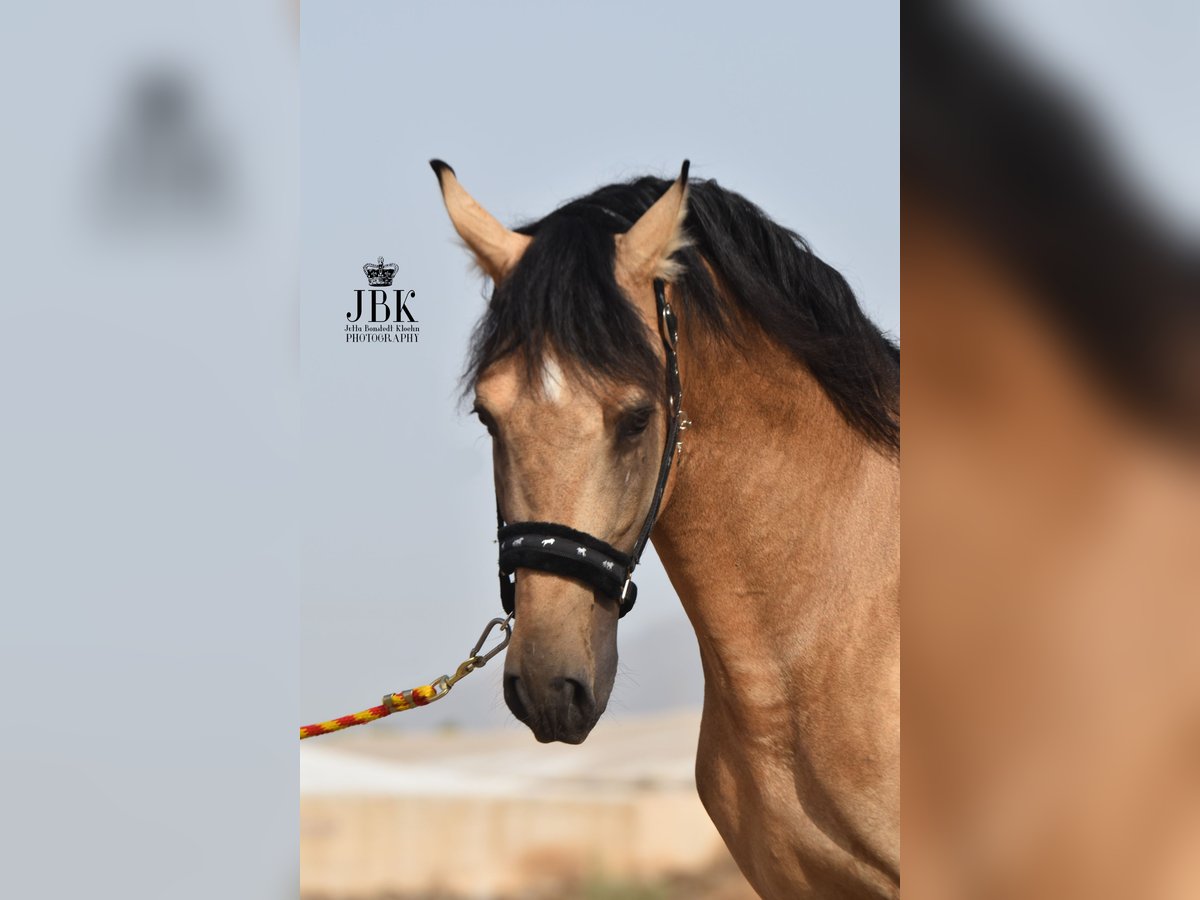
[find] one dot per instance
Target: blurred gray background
(532, 106)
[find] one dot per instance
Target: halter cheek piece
(550, 547)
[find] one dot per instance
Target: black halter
(550, 547)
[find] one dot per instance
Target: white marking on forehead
(552, 379)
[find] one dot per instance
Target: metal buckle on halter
(625, 587)
(684, 424)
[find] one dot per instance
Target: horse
(779, 526)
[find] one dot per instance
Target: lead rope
(419, 696)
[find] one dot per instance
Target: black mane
(563, 295)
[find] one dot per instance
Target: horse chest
(779, 834)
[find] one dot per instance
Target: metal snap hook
(505, 625)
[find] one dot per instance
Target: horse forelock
(563, 298)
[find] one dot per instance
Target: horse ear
(644, 251)
(498, 249)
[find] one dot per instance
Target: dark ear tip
(683, 175)
(438, 167)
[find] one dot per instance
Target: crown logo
(380, 275)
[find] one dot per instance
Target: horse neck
(782, 526)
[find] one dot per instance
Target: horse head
(567, 378)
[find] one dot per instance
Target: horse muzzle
(560, 708)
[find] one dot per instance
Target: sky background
(797, 109)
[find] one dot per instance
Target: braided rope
(421, 696)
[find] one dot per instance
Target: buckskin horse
(778, 524)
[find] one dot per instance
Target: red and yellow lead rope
(421, 696)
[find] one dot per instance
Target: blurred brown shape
(1050, 399)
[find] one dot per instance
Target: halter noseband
(550, 547)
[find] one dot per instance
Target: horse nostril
(514, 696)
(573, 693)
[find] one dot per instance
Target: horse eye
(486, 420)
(635, 422)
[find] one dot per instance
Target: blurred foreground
(1051, 397)
(496, 815)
